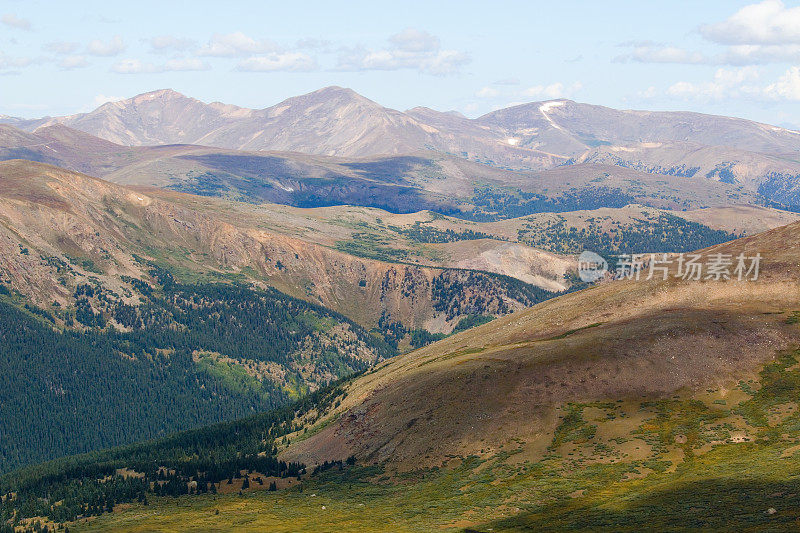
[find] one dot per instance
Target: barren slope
(500, 386)
(59, 228)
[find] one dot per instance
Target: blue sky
(728, 57)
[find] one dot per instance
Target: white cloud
(736, 76)
(413, 40)
(727, 83)
(61, 47)
(444, 62)
(757, 34)
(106, 48)
(133, 66)
(8, 62)
(650, 92)
(687, 89)
(441, 62)
(162, 43)
(737, 55)
(289, 61)
(73, 62)
(753, 54)
(410, 49)
(552, 91)
(13, 21)
(652, 53)
(487, 92)
(787, 87)
(236, 45)
(312, 43)
(767, 22)
(136, 66)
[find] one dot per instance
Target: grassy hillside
(616, 340)
(530, 248)
(630, 405)
(716, 459)
(731, 487)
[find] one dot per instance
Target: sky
(737, 58)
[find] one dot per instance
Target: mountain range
(147, 273)
(73, 227)
(512, 146)
(647, 403)
(379, 316)
(340, 122)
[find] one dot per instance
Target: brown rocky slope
(502, 386)
(59, 229)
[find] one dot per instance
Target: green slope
(194, 355)
(725, 487)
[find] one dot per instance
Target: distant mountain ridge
(749, 158)
(753, 169)
(340, 122)
(569, 128)
(398, 183)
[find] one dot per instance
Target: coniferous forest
(68, 391)
(194, 461)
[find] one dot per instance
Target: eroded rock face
(61, 228)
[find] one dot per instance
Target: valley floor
(723, 459)
(725, 490)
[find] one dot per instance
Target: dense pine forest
(662, 233)
(180, 365)
(195, 461)
(495, 203)
(183, 358)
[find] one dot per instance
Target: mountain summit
(568, 127)
(337, 121)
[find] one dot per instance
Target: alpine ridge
(537, 136)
